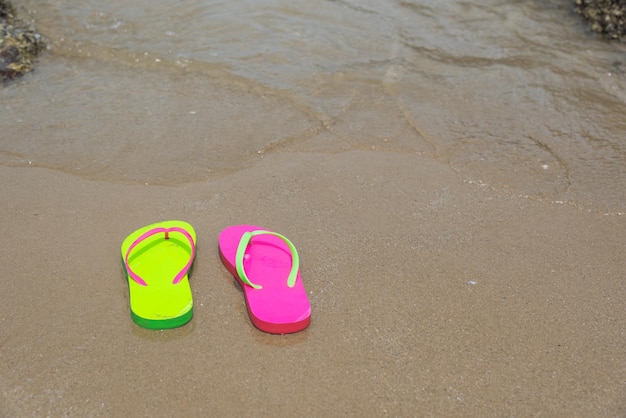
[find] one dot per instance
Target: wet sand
(431, 296)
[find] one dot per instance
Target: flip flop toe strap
(150, 233)
(241, 250)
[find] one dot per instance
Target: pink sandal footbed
(266, 265)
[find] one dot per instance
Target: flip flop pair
(157, 259)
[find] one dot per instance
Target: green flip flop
(156, 260)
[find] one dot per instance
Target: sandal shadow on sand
(156, 260)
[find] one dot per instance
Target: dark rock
(6, 10)
(19, 44)
(607, 17)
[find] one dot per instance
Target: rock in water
(19, 44)
(607, 17)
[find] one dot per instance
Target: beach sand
(431, 296)
(448, 274)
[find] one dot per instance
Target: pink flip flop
(266, 264)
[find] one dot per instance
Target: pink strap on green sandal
(266, 264)
(156, 260)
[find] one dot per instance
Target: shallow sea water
(515, 95)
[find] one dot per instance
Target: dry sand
(431, 296)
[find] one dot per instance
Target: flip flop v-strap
(182, 273)
(241, 250)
